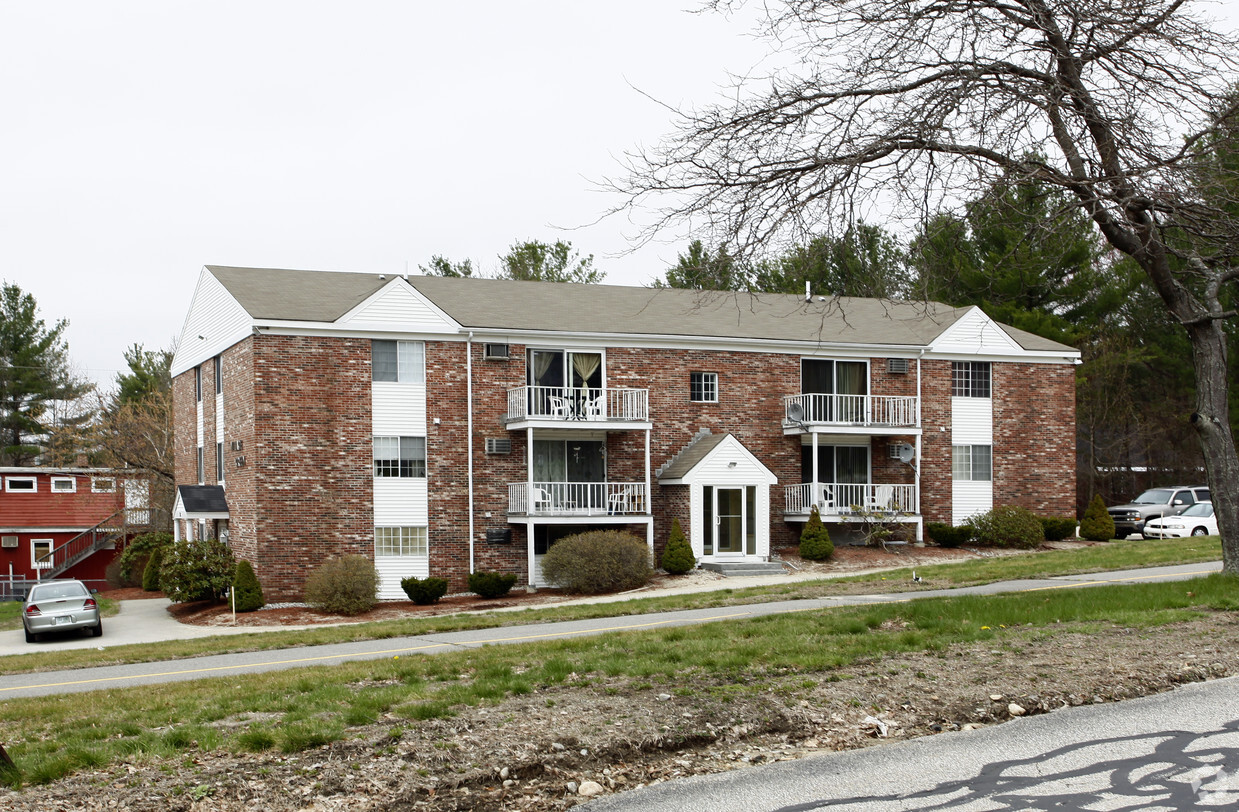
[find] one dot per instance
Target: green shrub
(945, 535)
(1008, 526)
(134, 557)
(199, 570)
(424, 591)
(246, 591)
(678, 555)
(1098, 524)
(343, 586)
(815, 543)
(150, 575)
(492, 584)
(598, 561)
(1058, 528)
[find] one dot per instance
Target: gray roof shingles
(508, 305)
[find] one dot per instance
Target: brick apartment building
(442, 426)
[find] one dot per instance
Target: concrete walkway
(39, 684)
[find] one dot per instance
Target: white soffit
(214, 323)
(398, 307)
(975, 334)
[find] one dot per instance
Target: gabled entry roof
(200, 502)
(710, 455)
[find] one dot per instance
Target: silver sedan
(60, 606)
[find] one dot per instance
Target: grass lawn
(292, 711)
(1117, 555)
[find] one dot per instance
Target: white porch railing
(578, 499)
(850, 410)
(842, 499)
(577, 404)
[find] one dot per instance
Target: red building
(65, 523)
(444, 426)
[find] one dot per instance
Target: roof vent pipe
(808, 292)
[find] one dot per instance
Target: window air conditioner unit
(897, 366)
(8, 542)
(498, 445)
(496, 352)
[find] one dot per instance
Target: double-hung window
(400, 457)
(402, 541)
(399, 361)
(970, 379)
(703, 387)
(972, 463)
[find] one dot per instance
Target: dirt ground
(558, 747)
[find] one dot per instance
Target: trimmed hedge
(1058, 528)
(815, 543)
(1097, 524)
(1008, 526)
(598, 561)
(945, 535)
(424, 591)
(492, 584)
(678, 555)
(343, 586)
(198, 570)
(150, 575)
(246, 591)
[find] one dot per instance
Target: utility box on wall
(499, 535)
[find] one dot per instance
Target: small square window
(101, 484)
(64, 484)
(703, 387)
(38, 549)
(21, 484)
(402, 361)
(970, 379)
(400, 457)
(400, 541)
(972, 463)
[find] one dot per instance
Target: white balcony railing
(842, 499)
(578, 499)
(850, 410)
(578, 404)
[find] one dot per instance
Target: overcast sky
(143, 140)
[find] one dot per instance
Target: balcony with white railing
(578, 499)
(802, 412)
(843, 500)
(572, 406)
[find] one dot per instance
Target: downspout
(469, 440)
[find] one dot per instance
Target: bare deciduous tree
(1128, 106)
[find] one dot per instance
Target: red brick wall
(1034, 437)
(311, 456)
(301, 408)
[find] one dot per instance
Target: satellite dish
(795, 412)
(906, 453)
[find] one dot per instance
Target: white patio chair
(541, 501)
(882, 497)
(593, 408)
(559, 407)
(620, 501)
(826, 500)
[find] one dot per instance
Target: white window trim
(404, 530)
(34, 554)
(59, 479)
(710, 378)
(97, 484)
(9, 480)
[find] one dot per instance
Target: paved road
(14, 686)
(1178, 750)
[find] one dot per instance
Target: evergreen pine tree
(247, 590)
(815, 543)
(1097, 524)
(678, 556)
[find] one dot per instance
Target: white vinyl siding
(399, 307)
(215, 322)
(399, 410)
(972, 424)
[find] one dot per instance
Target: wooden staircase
(115, 528)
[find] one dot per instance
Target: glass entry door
(730, 520)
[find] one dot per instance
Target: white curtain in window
(585, 365)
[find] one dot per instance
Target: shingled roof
(507, 305)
